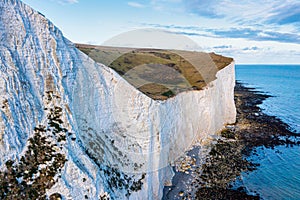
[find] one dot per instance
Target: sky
(250, 31)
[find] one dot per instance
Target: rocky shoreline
(227, 158)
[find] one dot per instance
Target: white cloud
(135, 4)
(167, 5)
(241, 12)
(64, 2)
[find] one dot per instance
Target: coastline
(228, 156)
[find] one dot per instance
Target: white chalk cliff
(106, 138)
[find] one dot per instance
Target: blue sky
(261, 31)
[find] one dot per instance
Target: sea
(278, 176)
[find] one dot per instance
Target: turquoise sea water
(278, 176)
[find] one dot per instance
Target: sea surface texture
(278, 176)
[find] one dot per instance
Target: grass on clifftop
(160, 74)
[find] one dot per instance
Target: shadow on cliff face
(228, 157)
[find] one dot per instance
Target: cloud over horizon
(255, 34)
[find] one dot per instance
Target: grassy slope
(159, 74)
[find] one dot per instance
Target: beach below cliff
(228, 157)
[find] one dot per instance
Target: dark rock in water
(253, 127)
(221, 193)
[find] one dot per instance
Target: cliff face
(39, 144)
(75, 128)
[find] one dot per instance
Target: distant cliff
(76, 129)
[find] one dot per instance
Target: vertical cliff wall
(75, 128)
